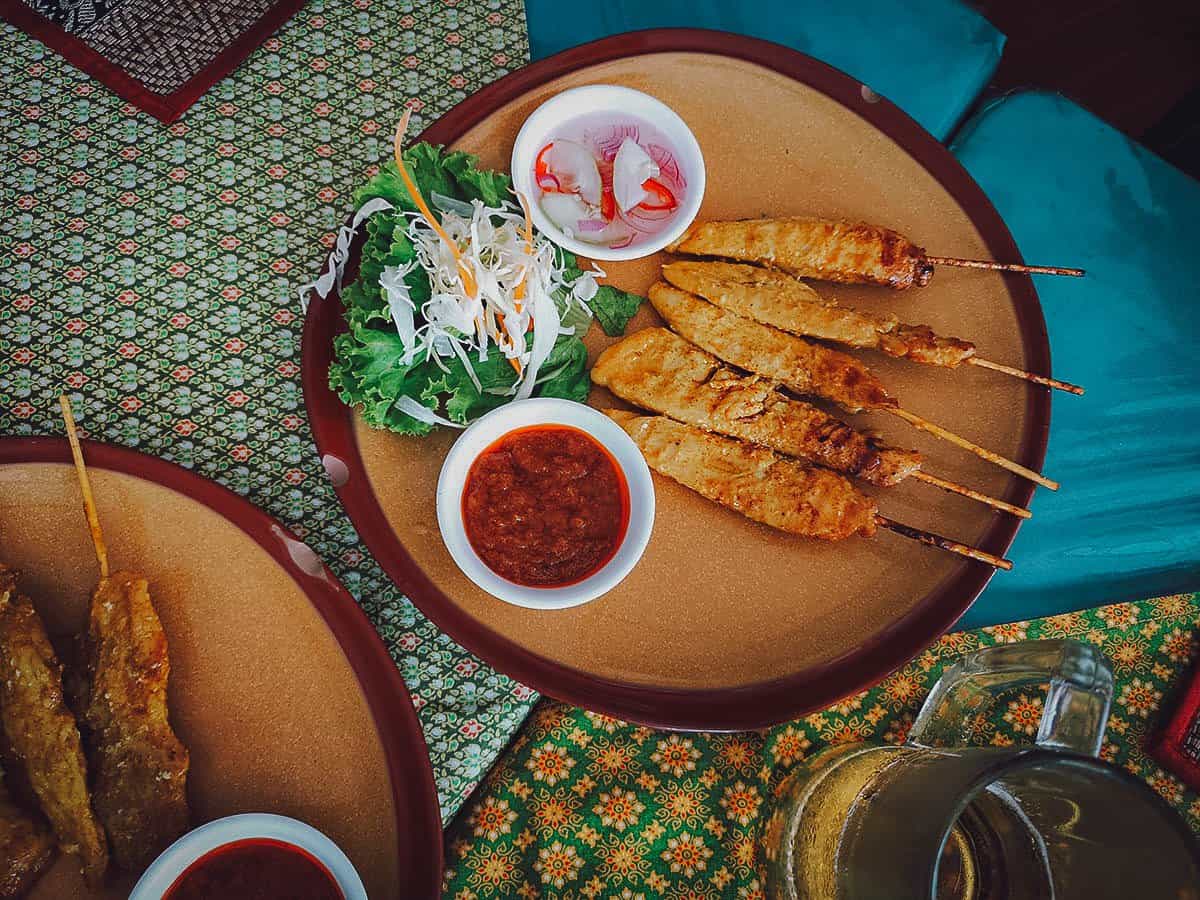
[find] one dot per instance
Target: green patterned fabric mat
(152, 273)
(583, 805)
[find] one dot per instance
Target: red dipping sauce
(255, 869)
(545, 506)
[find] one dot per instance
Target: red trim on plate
(165, 107)
(418, 819)
(750, 706)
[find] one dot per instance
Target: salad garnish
(459, 305)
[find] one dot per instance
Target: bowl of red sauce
(252, 856)
(545, 503)
(610, 173)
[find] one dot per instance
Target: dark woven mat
(159, 54)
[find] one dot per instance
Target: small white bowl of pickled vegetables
(610, 173)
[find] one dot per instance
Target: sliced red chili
(660, 195)
(608, 202)
(541, 172)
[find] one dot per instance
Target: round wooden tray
(280, 686)
(724, 623)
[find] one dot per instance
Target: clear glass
(1076, 707)
(938, 819)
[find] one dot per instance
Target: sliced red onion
(666, 161)
(640, 214)
(590, 226)
(646, 221)
(610, 142)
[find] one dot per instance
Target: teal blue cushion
(1074, 191)
(930, 57)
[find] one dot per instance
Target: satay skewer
(1043, 380)
(843, 252)
(777, 299)
(41, 734)
(807, 368)
(1004, 267)
(983, 453)
(138, 764)
(780, 491)
(936, 540)
(85, 488)
(661, 371)
(954, 487)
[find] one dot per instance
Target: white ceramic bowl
(545, 411)
(172, 862)
(545, 124)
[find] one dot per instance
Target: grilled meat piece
(777, 299)
(139, 764)
(42, 732)
(658, 370)
(778, 491)
(799, 365)
(845, 252)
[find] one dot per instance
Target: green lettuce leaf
(565, 371)
(613, 308)
(493, 188)
(463, 402)
(455, 174)
(367, 373)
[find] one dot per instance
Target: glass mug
(938, 819)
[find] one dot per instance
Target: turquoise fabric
(1126, 523)
(930, 57)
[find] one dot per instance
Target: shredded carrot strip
(503, 343)
(519, 290)
(464, 272)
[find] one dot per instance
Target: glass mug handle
(1076, 706)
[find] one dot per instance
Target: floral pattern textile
(586, 806)
(151, 272)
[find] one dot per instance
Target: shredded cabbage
(491, 243)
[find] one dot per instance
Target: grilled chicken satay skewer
(41, 732)
(845, 252)
(778, 491)
(138, 764)
(777, 299)
(660, 371)
(807, 368)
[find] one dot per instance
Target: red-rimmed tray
(280, 686)
(725, 625)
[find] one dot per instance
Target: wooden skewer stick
(1021, 373)
(1003, 267)
(85, 487)
(936, 540)
(1001, 461)
(962, 490)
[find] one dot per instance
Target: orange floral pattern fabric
(584, 805)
